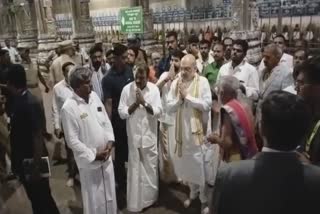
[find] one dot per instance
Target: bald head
(188, 67)
(189, 60)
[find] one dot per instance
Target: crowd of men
(248, 137)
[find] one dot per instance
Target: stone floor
(13, 199)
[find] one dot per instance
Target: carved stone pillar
(81, 22)
(244, 20)
(241, 17)
(47, 32)
(7, 20)
(26, 23)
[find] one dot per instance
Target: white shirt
(14, 55)
(61, 92)
(166, 117)
(87, 129)
(202, 64)
(141, 126)
(296, 35)
(285, 59)
(246, 74)
(96, 80)
(286, 36)
(309, 36)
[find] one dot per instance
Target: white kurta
(96, 79)
(61, 92)
(142, 183)
(167, 139)
(246, 74)
(88, 130)
(190, 166)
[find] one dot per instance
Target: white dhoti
(142, 182)
(166, 150)
(98, 189)
(190, 166)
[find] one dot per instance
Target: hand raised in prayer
(182, 90)
(171, 74)
(140, 99)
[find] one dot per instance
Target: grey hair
(77, 75)
(275, 50)
(230, 84)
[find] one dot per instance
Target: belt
(36, 85)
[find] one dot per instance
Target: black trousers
(121, 157)
(39, 194)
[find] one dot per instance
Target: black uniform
(26, 122)
(112, 85)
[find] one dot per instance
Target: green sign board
(131, 20)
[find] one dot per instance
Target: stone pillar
(244, 15)
(241, 17)
(7, 21)
(81, 22)
(26, 23)
(279, 29)
(47, 32)
(148, 23)
(148, 37)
